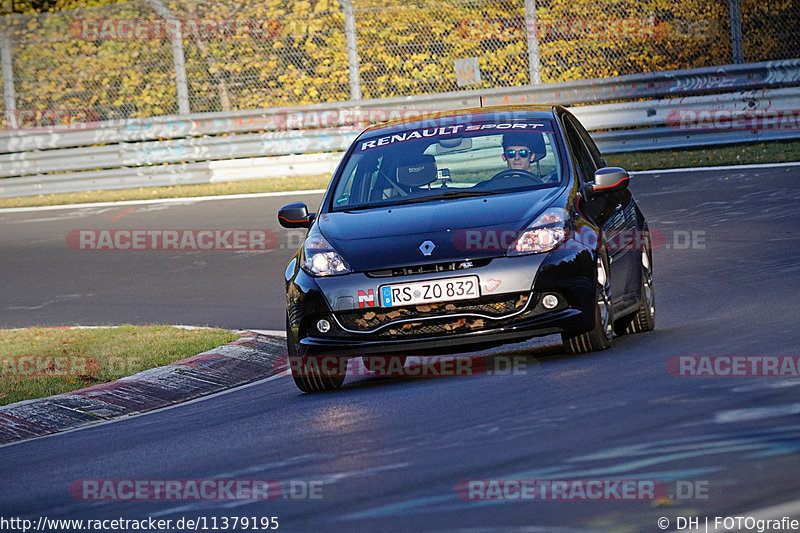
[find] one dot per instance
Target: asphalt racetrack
(387, 454)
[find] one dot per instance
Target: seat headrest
(421, 171)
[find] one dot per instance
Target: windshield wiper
(448, 195)
(463, 193)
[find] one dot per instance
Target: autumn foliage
(404, 48)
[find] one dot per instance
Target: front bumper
(461, 326)
(557, 322)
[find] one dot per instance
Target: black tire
(644, 319)
(599, 337)
(379, 363)
(308, 371)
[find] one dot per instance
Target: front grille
(429, 268)
(443, 326)
(493, 306)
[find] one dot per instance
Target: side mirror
(608, 179)
(295, 215)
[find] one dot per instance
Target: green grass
(178, 191)
(740, 154)
(771, 152)
(84, 357)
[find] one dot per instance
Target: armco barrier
(168, 175)
(617, 117)
(667, 84)
(188, 150)
(204, 148)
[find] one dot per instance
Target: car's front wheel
(313, 372)
(599, 337)
(644, 319)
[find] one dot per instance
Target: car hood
(379, 238)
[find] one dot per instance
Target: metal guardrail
(670, 138)
(171, 150)
(313, 164)
(167, 175)
(667, 84)
(650, 113)
(174, 151)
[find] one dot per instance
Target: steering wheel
(512, 175)
(516, 173)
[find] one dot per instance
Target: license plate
(441, 290)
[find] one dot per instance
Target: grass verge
(770, 152)
(40, 362)
(177, 191)
(740, 154)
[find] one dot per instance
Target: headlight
(321, 259)
(544, 234)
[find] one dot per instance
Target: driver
(517, 151)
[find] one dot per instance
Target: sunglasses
(510, 154)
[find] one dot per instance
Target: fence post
(7, 64)
(178, 57)
(352, 49)
(531, 31)
(736, 31)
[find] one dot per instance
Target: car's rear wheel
(313, 372)
(383, 364)
(599, 337)
(644, 319)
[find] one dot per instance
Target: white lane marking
(328, 479)
(749, 414)
(779, 384)
(58, 299)
(319, 191)
(176, 326)
(707, 169)
(159, 201)
(268, 332)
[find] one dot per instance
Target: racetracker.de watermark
(51, 119)
(499, 239)
(577, 28)
(580, 490)
(195, 489)
(349, 119)
(411, 366)
(196, 29)
(774, 366)
(173, 239)
(734, 120)
(43, 366)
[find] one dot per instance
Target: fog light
(323, 326)
(549, 301)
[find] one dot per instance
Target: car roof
(459, 116)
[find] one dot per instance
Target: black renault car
(460, 230)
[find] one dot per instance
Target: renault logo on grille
(427, 248)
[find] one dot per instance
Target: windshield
(438, 163)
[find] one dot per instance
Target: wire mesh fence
(144, 58)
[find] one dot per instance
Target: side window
(589, 143)
(383, 179)
(345, 195)
(584, 163)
